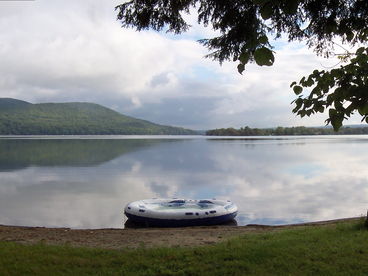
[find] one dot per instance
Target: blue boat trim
(182, 222)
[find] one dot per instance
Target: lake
(86, 182)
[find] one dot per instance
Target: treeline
(300, 130)
(25, 127)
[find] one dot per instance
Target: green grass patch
(340, 249)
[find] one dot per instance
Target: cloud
(76, 51)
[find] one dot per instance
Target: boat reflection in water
(129, 224)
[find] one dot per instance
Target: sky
(76, 51)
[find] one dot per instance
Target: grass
(340, 249)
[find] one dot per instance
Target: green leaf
(310, 112)
(315, 73)
(244, 57)
(297, 89)
(335, 119)
(241, 68)
(316, 91)
(298, 103)
(292, 84)
(360, 51)
(291, 6)
(336, 122)
(332, 113)
(335, 73)
(263, 39)
(264, 56)
(307, 103)
(363, 110)
(349, 36)
(266, 11)
(321, 109)
(309, 82)
(302, 113)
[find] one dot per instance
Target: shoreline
(122, 238)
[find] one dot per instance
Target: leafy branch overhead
(343, 90)
(245, 27)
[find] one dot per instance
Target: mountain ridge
(19, 117)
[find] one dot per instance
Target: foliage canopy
(245, 27)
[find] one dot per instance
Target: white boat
(180, 212)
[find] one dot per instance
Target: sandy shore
(134, 238)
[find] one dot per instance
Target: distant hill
(23, 118)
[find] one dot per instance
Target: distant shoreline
(172, 136)
(130, 136)
(288, 131)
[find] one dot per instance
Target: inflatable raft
(180, 212)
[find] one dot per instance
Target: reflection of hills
(18, 154)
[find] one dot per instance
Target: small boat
(180, 212)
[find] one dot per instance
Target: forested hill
(23, 118)
(301, 130)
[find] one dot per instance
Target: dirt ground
(134, 238)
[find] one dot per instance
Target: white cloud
(73, 51)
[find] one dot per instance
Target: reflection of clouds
(331, 183)
(136, 167)
(86, 199)
(271, 182)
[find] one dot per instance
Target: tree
(245, 27)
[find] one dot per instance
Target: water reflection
(17, 154)
(86, 183)
(135, 225)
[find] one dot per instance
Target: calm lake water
(85, 183)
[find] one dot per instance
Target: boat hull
(158, 222)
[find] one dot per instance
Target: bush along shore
(338, 248)
(283, 131)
